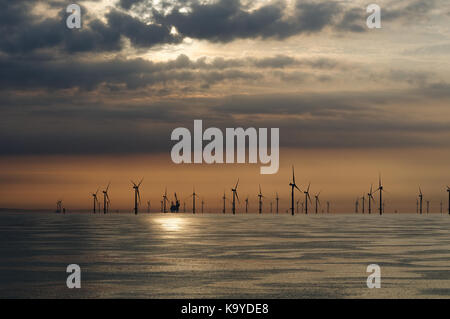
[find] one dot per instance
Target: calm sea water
(215, 256)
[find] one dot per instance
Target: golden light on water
(171, 224)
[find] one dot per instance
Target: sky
(84, 107)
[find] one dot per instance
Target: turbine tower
(420, 201)
(356, 205)
(293, 185)
(428, 206)
(235, 195)
(137, 196)
(448, 191)
(370, 199)
(260, 195)
(94, 195)
(224, 201)
(203, 204)
(328, 207)
(317, 201)
(246, 205)
(297, 206)
(381, 190)
(307, 197)
(194, 195)
(277, 199)
(106, 200)
(148, 207)
(165, 199)
(363, 200)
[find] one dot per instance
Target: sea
(225, 256)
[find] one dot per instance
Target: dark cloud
(42, 71)
(226, 20)
(79, 124)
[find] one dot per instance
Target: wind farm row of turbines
(175, 204)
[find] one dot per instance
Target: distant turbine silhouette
(356, 205)
(203, 204)
(94, 195)
(194, 195)
(297, 206)
(428, 206)
(317, 200)
(224, 201)
(448, 191)
(59, 206)
(137, 196)
(106, 200)
(165, 199)
(420, 201)
(293, 186)
(363, 200)
(370, 199)
(307, 197)
(246, 205)
(328, 207)
(381, 190)
(277, 199)
(148, 206)
(260, 195)
(235, 195)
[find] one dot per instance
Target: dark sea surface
(224, 256)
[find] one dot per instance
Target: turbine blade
(141, 182)
(235, 187)
(237, 196)
(297, 188)
(293, 175)
(309, 185)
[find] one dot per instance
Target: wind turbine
(381, 190)
(106, 200)
(363, 199)
(137, 195)
(317, 200)
(148, 207)
(246, 205)
(420, 201)
(328, 207)
(293, 185)
(260, 195)
(356, 205)
(94, 195)
(277, 199)
(59, 206)
(194, 195)
(441, 207)
(235, 195)
(307, 197)
(297, 206)
(448, 191)
(428, 206)
(370, 199)
(164, 201)
(203, 203)
(224, 201)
